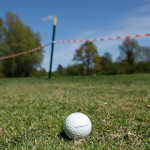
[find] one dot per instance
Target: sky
(82, 19)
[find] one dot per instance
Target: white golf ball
(77, 125)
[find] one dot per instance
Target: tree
(87, 55)
(128, 55)
(143, 54)
(1, 37)
(60, 69)
(1, 23)
(108, 56)
(72, 70)
(19, 38)
(107, 64)
(1, 47)
(129, 50)
(41, 72)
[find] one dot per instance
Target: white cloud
(129, 26)
(144, 8)
(136, 25)
(47, 18)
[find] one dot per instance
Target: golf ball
(77, 125)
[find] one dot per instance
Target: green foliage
(39, 73)
(144, 54)
(61, 70)
(133, 59)
(87, 55)
(1, 71)
(107, 65)
(143, 67)
(73, 70)
(128, 51)
(1, 23)
(124, 67)
(1, 38)
(19, 38)
(33, 111)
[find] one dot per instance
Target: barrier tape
(25, 52)
(103, 39)
(76, 41)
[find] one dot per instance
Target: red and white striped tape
(76, 41)
(103, 39)
(25, 52)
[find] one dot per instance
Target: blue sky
(82, 19)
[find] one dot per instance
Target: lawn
(33, 110)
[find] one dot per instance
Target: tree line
(15, 37)
(133, 58)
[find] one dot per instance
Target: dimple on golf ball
(77, 125)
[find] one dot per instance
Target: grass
(32, 112)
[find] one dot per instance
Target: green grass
(32, 112)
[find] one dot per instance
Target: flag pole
(52, 48)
